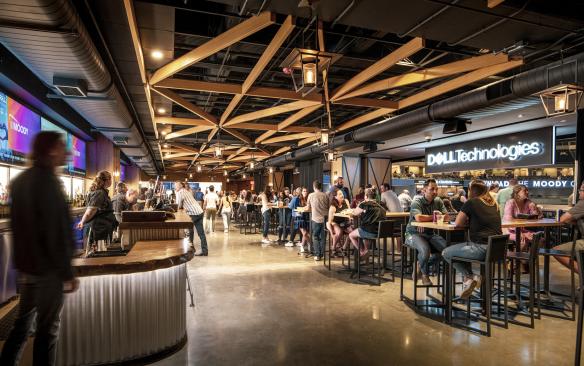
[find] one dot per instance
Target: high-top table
(128, 308)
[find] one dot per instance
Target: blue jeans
(285, 216)
(425, 245)
(318, 238)
(266, 228)
(468, 250)
(41, 297)
(198, 223)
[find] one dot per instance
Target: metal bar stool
(496, 255)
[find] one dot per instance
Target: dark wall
(310, 170)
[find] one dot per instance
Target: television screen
(23, 125)
(46, 125)
(76, 147)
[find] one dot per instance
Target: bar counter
(128, 308)
(133, 232)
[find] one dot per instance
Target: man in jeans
(185, 199)
(318, 205)
(42, 246)
(425, 241)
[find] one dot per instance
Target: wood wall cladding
(378, 171)
(278, 181)
(351, 173)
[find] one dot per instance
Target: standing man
(340, 184)
(42, 246)
(318, 204)
(210, 205)
(119, 201)
(425, 240)
(389, 199)
(504, 195)
(185, 199)
(199, 196)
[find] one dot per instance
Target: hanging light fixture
(219, 150)
(243, 176)
(561, 99)
(252, 162)
(199, 168)
(225, 173)
(191, 175)
(330, 156)
(271, 170)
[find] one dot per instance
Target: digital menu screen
(18, 126)
(76, 148)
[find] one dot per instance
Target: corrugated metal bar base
(124, 317)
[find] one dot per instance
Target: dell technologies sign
(524, 149)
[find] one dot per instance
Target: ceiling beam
(493, 3)
(380, 66)
(174, 97)
(230, 107)
(368, 103)
(214, 45)
(184, 147)
(238, 134)
(458, 82)
(177, 155)
(327, 100)
(364, 118)
(239, 151)
(307, 140)
(267, 127)
(183, 121)
(265, 135)
(282, 108)
(290, 137)
(282, 150)
(187, 131)
(452, 68)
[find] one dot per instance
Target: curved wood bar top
(144, 256)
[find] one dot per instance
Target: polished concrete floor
(265, 305)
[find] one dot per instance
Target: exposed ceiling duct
(570, 70)
(49, 38)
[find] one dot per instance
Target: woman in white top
(266, 197)
(210, 205)
(226, 207)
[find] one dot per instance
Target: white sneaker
(316, 258)
(265, 241)
(301, 249)
(299, 244)
(225, 231)
(289, 244)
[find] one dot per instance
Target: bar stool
(379, 250)
(532, 260)
(409, 262)
(496, 255)
(545, 252)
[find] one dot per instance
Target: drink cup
(435, 216)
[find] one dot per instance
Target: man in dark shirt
(119, 201)
(42, 246)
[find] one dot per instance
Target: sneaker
(299, 244)
(301, 249)
(467, 288)
(426, 280)
(289, 244)
(317, 258)
(265, 241)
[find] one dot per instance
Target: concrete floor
(258, 305)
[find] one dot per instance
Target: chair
(532, 260)
(496, 255)
(548, 252)
(379, 250)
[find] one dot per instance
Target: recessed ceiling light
(161, 110)
(157, 55)
(520, 116)
(165, 146)
(163, 132)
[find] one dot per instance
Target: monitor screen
(76, 148)
(23, 125)
(46, 125)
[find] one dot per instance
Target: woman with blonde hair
(99, 214)
(521, 204)
(482, 217)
